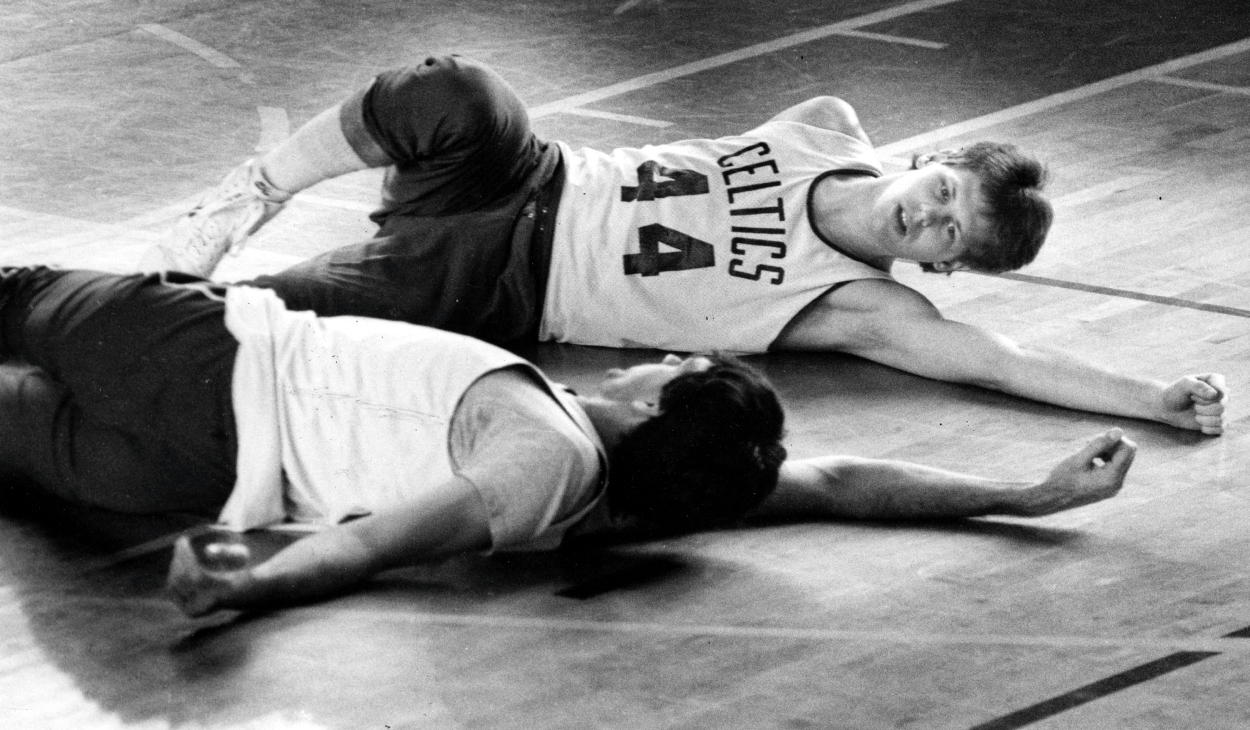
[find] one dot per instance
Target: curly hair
(711, 454)
(1020, 216)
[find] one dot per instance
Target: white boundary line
(216, 58)
(892, 39)
(1207, 85)
(627, 118)
(146, 548)
(1150, 73)
(723, 59)
(1199, 643)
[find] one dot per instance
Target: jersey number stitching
(691, 253)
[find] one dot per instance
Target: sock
(317, 151)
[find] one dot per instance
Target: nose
(931, 215)
(614, 372)
(671, 359)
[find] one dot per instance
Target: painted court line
(1047, 103)
(618, 117)
(1212, 645)
(1207, 85)
(723, 59)
(901, 40)
(1122, 293)
(1106, 189)
(147, 548)
(1103, 687)
(216, 58)
(1096, 690)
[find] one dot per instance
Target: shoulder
(510, 411)
(825, 112)
(872, 296)
(535, 470)
(850, 313)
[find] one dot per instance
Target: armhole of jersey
(811, 214)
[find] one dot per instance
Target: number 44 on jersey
(690, 252)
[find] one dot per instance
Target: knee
(462, 96)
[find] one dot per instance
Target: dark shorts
(468, 203)
(116, 390)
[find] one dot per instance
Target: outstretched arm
(892, 324)
(447, 520)
(846, 486)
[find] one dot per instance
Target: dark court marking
(1124, 294)
(1096, 690)
(1104, 687)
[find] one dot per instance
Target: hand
(1092, 474)
(1195, 402)
(199, 590)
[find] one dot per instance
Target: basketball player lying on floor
(141, 395)
(781, 238)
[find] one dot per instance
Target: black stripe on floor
(1096, 690)
(1126, 294)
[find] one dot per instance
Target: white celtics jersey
(696, 245)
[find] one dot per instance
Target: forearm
(1064, 380)
(843, 486)
(318, 566)
(847, 486)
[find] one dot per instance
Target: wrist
(238, 590)
(1028, 500)
(1157, 407)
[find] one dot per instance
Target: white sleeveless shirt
(341, 416)
(696, 245)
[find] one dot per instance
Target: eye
(944, 193)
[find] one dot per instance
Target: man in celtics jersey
(781, 238)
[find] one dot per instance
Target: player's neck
(612, 420)
(841, 212)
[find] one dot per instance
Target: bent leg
(450, 274)
(458, 136)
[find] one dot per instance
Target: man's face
(644, 382)
(932, 215)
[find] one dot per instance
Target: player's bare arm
(846, 486)
(447, 520)
(827, 112)
(895, 325)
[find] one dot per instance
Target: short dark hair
(711, 454)
(1020, 216)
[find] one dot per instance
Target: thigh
(48, 439)
(456, 135)
(134, 378)
(116, 341)
(439, 272)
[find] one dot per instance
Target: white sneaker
(218, 224)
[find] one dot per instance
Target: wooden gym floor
(1132, 613)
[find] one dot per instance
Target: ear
(948, 267)
(647, 408)
(929, 158)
